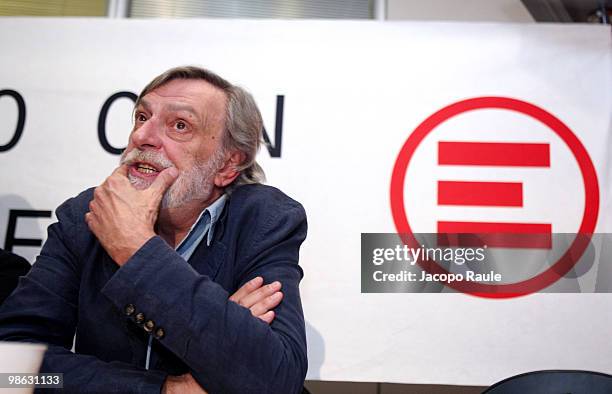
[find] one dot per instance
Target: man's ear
(226, 174)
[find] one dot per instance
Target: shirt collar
(204, 225)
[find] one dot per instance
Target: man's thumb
(164, 180)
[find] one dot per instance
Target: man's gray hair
(243, 123)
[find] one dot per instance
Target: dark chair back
(554, 382)
(12, 267)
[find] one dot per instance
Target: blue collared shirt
(203, 227)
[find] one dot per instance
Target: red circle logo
(587, 170)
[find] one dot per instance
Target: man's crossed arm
(260, 300)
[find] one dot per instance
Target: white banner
(352, 112)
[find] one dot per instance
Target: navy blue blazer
(75, 285)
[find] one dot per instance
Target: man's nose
(147, 135)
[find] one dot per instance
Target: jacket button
(159, 333)
(140, 317)
(149, 325)
(129, 309)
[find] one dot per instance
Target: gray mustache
(136, 155)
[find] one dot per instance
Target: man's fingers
(192, 386)
(246, 289)
(117, 178)
(90, 220)
(164, 180)
(267, 317)
(260, 294)
(182, 384)
(121, 170)
(267, 304)
(259, 299)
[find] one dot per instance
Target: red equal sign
(500, 235)
(505, 154)
(490, 194)
(496, 194)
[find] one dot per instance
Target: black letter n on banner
(275, 150)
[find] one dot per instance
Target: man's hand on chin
(122, 217)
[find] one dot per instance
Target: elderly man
(143, 266)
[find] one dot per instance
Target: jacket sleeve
(226, 348)
(43, 309)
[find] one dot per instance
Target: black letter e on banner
(10, 240)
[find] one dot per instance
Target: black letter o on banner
(20, 120)
(102, 121)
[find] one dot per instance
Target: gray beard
(197, 183)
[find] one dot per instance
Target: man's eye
(141, 117)
(180, 125)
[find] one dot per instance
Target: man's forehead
(149, 102)
(192, 95)
(198, 89)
